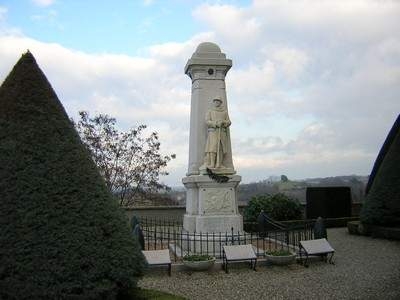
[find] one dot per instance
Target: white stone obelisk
(210, 206)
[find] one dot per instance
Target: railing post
(162, 237)
(188, 244)
(263, 239)
(287, 240)
(220, 244)
(251, 239)
(148, 237)
(194, 243)
(181, 243)
(201, 244)
(207, 242)
(168, 239)
(214, 244)
(175, 240)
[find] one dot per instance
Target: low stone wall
(177, 212)
(163, 212)
(356, 209)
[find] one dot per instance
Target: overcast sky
(313, 91)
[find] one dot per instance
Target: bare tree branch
(130, 163)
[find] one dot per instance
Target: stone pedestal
(211, 206)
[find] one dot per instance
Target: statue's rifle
(219, 142)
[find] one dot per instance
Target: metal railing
(169, 234)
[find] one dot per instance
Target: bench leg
(224, 262)
(169, 269)
(330, 259)
(306, 261)
(253, 263)
(301, 254)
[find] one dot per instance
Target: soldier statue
(217, 121)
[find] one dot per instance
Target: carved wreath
(216, 177)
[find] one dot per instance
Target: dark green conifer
(382, 204)
(62, 234)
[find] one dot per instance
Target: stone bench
(158, 258)
(239, 253)
(319, 247)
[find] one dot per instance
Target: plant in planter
(353, 226)
(280, 257)
(198, 262)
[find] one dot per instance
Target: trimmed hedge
(382, 204)
(279, 207)
(62, 234)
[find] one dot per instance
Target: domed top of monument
(208, 53)
(208, 47)
(208, 50)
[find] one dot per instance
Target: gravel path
(365, 268)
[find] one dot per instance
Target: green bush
(62, 235)
(279, 253)
(195, 257)
(382, 203)
(279, 207)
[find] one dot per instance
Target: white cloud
(135, 90)
(43, 2)
(50, 16)
(315, 152)
(3, 14)
(235, 28)
(148, 2)
(313, 89)
(254, 80)
(365, 19)
(292, 61)
(179, 53)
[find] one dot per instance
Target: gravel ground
(365, 268)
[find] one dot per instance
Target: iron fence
(169, 234)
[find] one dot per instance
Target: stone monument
(211, 205)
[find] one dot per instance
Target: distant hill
(158, 199)
(296, 188)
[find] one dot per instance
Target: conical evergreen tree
(382, 204)
(62, 234)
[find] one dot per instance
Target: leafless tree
(130, 163)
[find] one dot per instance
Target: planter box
(352, 227)
(199, 265)
(281, 260)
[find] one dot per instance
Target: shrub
(196, 257)
(279, 253)
(382, 203)
(279, 207)
(63, 236)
